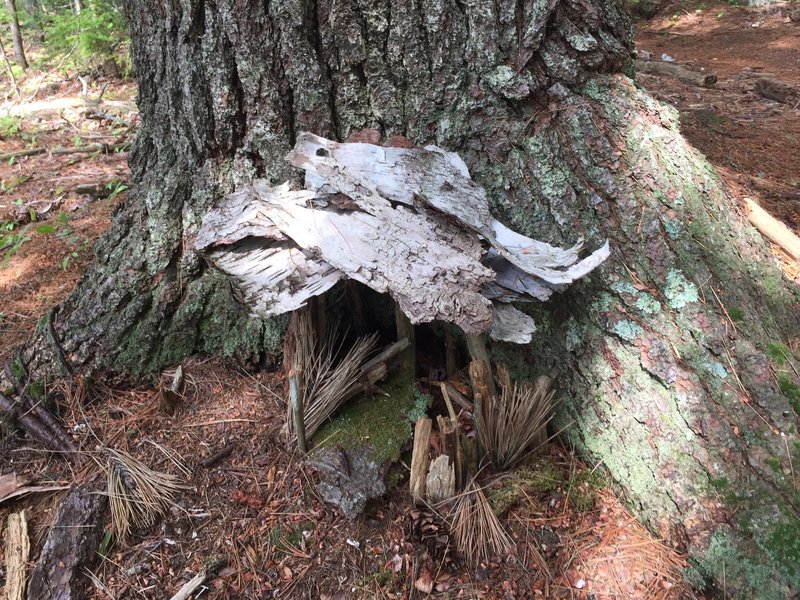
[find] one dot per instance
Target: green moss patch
(380, 423)
(540, 475)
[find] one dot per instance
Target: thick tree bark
(662, 351)
(16, 34)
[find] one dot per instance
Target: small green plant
(11, 240)
(9, 125)
(115, 187)
(106, 543)
(67, 259)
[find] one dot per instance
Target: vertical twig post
(459, 450)
(405, 330)
(420, 459)
(476, 344)
(297, 412)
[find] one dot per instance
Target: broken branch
(680, 72)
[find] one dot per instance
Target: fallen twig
(104, 148)
(218, 455)
(773, 229)
(190, 586)
(36, 428)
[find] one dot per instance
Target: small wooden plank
(18, 549)
(440, 483)
(420, 459)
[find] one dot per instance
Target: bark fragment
(70, 545)
(405, 221)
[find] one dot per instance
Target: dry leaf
(425, 583)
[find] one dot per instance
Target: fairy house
(404, 221)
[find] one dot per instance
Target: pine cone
(428, 528)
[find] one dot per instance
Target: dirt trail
(752, 141)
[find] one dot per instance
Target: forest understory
(249, 502)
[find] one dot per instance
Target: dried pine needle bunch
(516, 420)
(137, 494)
(478, 534)
(326, 383)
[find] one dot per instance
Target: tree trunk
(663, 350)
(16, 34)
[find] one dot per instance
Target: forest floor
(252, 502)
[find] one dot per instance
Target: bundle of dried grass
(137, 494)
(477, 532)
(324, 383)
(516, 420)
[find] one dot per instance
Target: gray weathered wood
(405, 221)
(420, 458)
(71, 544)
(440, 484)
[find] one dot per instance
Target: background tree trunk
(662, 351)
(16, 34)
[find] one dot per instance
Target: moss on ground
(539, 475)
(380, 423)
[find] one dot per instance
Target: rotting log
(684, 74)
(777, 91)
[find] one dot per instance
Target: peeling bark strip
(404, 221)
(70, 545)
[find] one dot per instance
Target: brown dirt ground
(753, 142)
(257, 507)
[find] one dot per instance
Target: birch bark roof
(405, 221)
